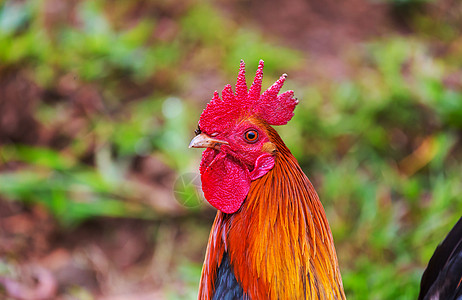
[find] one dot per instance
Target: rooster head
(234, 130)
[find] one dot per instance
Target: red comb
(275, 110)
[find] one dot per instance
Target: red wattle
(225, 181)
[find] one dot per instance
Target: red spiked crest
(275, 109)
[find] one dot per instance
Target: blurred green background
(99, 100)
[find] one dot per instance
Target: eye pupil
(251, 135)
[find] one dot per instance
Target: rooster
(270, 238)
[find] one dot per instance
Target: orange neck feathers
(279, 242)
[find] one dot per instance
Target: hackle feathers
(279, 242)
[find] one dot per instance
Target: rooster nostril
(198, 130)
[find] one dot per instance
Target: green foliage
(111, 58)
(231, 44)
(69, 190)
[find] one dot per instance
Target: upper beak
(204, 141)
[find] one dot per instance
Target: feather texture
(443, 277)
(279, 242)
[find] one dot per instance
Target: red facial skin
(239, 146)
(227, 172)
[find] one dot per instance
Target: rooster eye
(251, 136)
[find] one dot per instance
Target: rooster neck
(279, 243)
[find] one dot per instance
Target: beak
(204, 141)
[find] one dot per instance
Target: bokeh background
(99, 100)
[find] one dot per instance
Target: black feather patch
(443, 277)
(226, 285)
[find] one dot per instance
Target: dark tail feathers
(443, 277)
